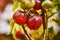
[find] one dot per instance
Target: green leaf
(11, 22)
(55, 2)
(57, 21)
(14, 30)
(51, 33)
(11, 26)
(39, 12)
(15, 5)
(50, 14)
(51, 30)
(39, 32)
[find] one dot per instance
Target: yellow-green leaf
(15, 5)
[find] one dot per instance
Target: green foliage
(57, 21)
(39, 12)
(51, 12)
(55, 2)
(57, 37)
(11, 22)
(11, 26)
(51, 33)
(14, 30)
(15, 5)
(37, 33)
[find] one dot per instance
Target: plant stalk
(44, 22)
(26, 32)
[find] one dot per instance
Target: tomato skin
(18, 33)
(37, 5)
(34, 23)
(19, 18)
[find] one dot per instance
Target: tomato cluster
(32, 20)
(31, 17)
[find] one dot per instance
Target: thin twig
(26, 33)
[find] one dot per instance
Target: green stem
(46, 33)
(26, 32)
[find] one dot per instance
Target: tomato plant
(30, 20)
